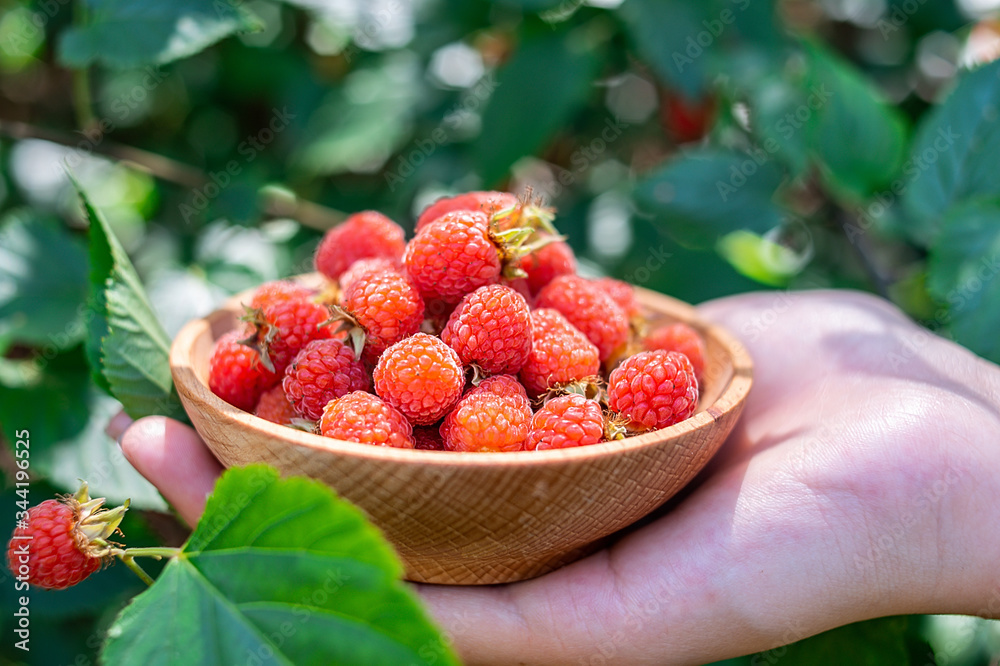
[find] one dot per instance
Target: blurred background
(696, 148)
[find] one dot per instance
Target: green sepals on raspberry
(62, 542)
(530, 212)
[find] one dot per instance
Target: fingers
(173, 458)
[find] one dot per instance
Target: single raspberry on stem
(62, 542)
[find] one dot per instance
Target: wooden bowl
(480, 518)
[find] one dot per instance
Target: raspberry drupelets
(547, 263)
(494, 417)
(654, 389)
(62, 542)
(360, 236)
(679, 337)
(322, 371)
(484, 202)
(280, 330)
(236, 374)
(420, 376)
(491, 327)
(452, 256)
(566, 421)
(560, 354)
(365, 418)
(386, 306)
(275, 407)
(590, 310)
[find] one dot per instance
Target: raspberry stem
(136, 569)
(128, 558)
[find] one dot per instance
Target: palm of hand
(841, 495)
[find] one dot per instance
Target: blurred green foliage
(697, 148)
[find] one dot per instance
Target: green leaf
(954, 155)
(664, 33)
(964, 275)
(710, 192)
(538, 90)
(363, 122)
(872, 643)
(856, 137)
(284, 572)
(135, 33)
(65, 417)
(774, 101)
(43, 271)
(127, 349)
(759, 258)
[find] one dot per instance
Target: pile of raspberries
(476, 335)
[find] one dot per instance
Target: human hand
(860, 482)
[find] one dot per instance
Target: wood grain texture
(481, 518)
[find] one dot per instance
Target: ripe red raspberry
(60, 543)
(452, 256)
(679, 337)
(236, 374)
(274, 406)
(366, 419)
(279, 291)
(386, 306)
(589, 309)
(547, 263)
(280, 330)
(491, 327)
(427, 438)
(362, 235)
(502, 385)
(486, 202)
(560, 354)
(569, 420)
(420, 376)
(621, 293)
(366, 267)
(322, 371)
(486, 421)
(654, 389)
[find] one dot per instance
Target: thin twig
(275, 203)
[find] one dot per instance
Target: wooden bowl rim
(730, 398)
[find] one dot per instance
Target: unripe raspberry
(236, 374)
(654, 389)
(360, 236)
(560, 354)
(590, 310)
(366, 419)
(566, 421)
(323, 371)
(491, 327)
(420, 376)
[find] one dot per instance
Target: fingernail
(117, 426)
